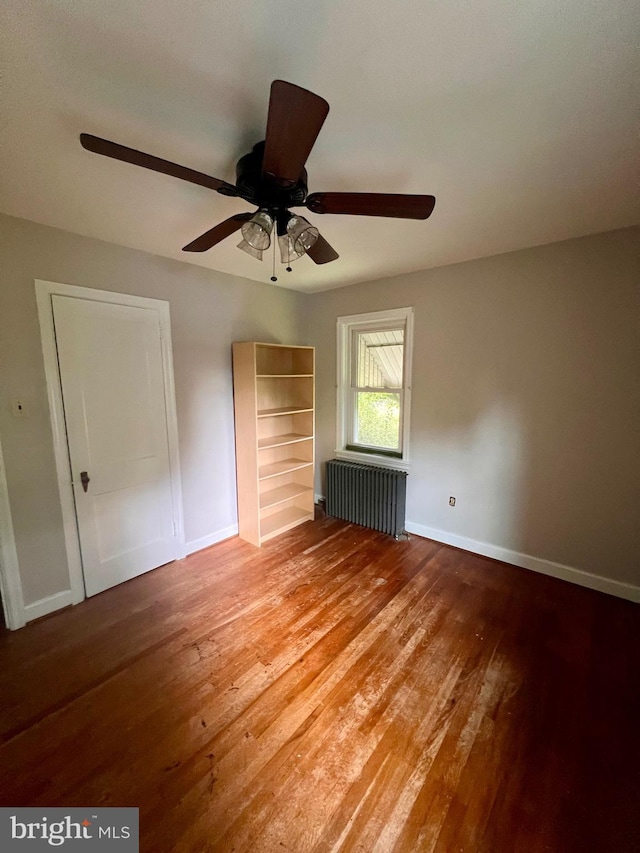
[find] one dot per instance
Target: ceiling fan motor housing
(263, 192)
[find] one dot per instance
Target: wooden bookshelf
(274, 399)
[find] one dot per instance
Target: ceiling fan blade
(373, 204)
(217, 233)
(148, 161)
(321, 252)
(293, 124)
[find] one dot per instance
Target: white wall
(526, 399)
(209, 310)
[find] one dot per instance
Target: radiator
(367, 494)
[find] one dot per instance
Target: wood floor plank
(333, 692)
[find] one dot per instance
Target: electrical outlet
(452, 501)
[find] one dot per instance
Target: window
(374, 369)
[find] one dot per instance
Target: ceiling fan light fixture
(288, 251)
(302, 234)
(255, 253)
(257, 231)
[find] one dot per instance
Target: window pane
(378, 359)
(378, 419)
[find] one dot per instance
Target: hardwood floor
(334, 691)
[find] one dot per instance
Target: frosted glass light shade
(257, 231)
(288, 251)
(302, 233)
(255, 253)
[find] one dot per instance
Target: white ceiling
(520, 117)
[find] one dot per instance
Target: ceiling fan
(273, 177)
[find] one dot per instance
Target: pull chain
(274, 277)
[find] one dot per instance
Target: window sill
(373, 459)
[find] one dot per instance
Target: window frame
(346, 394)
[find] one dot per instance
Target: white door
(111, 374)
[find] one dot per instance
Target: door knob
(84, 479)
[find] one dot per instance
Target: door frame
(44, 291)
(10, 583)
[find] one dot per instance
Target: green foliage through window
(378, 419)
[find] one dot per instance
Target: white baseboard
(526, 561)
(62, 599)
(211, 539)
(318, 498)
(47, 605)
